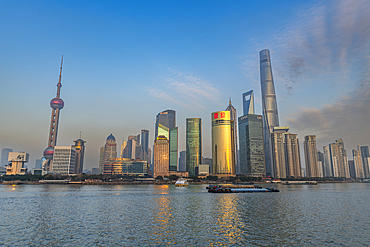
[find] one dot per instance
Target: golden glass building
(223, 153)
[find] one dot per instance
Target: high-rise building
(223, 156)
(193, 145)
(145, 150)
(80, 152)
(278, 152)
(310, 154)
(56, 104)
(174, 143)
(328, 168)
(248, 103)
(166, 118)
(4, 156)
(251, 153)
(292, 155)
(339, 159)
(64, 160)
(269, 106)
(352, 169)
(233, 118)
(320, 163)
(278, 155)
(365, 161)
(357, 159)
(161, 156)
(145, 140)
(182, 162)
(109, 150)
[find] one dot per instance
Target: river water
(162, 215)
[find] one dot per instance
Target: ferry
(238, 189)
(181, 182)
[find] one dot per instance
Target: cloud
(186, 90)
(330, 44)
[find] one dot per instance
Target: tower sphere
(57, 103)
(49, 153)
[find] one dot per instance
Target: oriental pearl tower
(56, 104)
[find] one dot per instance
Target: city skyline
(321, 82)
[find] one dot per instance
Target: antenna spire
(80, 134)
(60, 78)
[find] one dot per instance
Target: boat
(299, 182)
(181, 182)
(238, 189)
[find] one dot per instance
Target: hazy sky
(125, 61)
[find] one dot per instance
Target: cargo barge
(238, 189)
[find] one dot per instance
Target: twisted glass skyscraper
(269, 106)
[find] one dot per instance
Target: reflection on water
(149, 215)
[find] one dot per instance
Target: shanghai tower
(269, 107)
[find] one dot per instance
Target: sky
(126, 61)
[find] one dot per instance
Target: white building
(64, 160)
(17, 166)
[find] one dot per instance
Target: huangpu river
(162, 215)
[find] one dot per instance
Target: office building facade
(166, 118)
(80, 153)
(182, 162)
(193, 145)
(223, 156)
(357, 159)
(233, 118)
(64, 160)
(251, 144)
(161, 161)
(174, 143)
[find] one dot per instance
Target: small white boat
(181, 182)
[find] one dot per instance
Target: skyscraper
(79, 157)
(328, 168)
(269, 106)
(339, 159)
(320, 163)
(278, 155)
(56, 104)
(174, 155)
(233, 118)
(310, 154)
(292, 155)
(145, 140)
(248, 103)
(109, 150)
(365, 161)
(4, 156)
(357, 159)
(251, 153)
(161, 156)
(193, 145)
(166, 118)
(182, 162)
(223, 156)
(145, 150)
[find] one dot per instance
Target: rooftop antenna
(80, 134)
(60, 78)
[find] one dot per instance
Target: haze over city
(124, 62)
